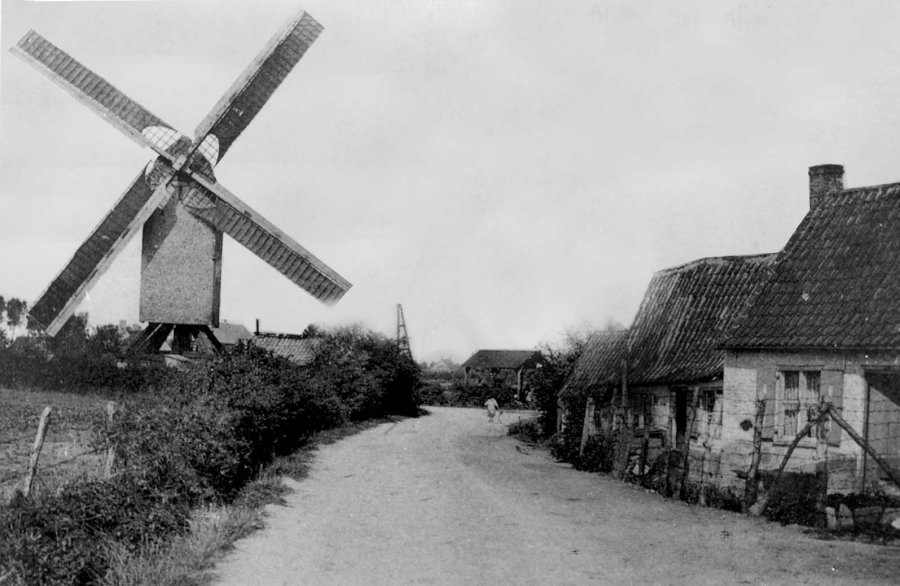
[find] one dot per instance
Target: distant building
(296, 348)
(502, 367)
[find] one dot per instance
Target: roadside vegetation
(198, 450)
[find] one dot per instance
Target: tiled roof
(229, 334)
(837, 282)
(291, 346)
(686, 314)
(599, 365)
(513, 359)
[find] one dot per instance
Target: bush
(528, 430)
(793, 499)
(62, 540)
(196, 437)
(598, 456)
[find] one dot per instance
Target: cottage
(593, 381)
(672, 357)
(674, 345)
(502, 367)
(826, 327)
(300, 350)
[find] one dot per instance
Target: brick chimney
(824, 181)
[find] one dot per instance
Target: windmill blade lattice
(227, 213)
(182, 209)
(102, 97)
(246, 97)
(59, 301)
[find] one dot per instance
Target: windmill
(183, 210)
(402, 335)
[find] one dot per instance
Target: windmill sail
(227, 213)
(95, 92)
(252, 90)
(94, 256)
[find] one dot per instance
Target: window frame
(805, 397)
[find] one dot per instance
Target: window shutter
(832, 390)
(765, 389)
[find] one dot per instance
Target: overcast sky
(504, 169)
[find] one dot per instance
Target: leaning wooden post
(686, 462)
(759, 508)
(864, 444)
(111, 409)
(751, 489)
(36, 450)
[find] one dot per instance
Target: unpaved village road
(451, 499)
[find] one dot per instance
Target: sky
(506, 170)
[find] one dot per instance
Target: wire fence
(30, 459)
(811, 470)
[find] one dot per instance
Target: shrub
(793, 499)
(61, 540)
(598, 455)
(196, 437)
(528, 430)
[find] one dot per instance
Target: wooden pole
(751, 489)
(864, 444)
(111, 409)
(585, 426)
(759, 508)
(36, 450)
(686, 461)
(645, 447)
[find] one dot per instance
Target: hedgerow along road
(449, 498)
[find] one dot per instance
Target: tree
(15, 314)
(559, 361)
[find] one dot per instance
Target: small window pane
(791, 385)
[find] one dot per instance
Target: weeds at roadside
(189, 558)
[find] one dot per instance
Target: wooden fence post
(36, 450)
(751, 488)
(686, 462)
(759, 508)
(111, 408)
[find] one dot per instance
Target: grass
(66, 455)
(188, 560)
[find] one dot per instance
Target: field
(66, 454)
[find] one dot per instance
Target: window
(796, 392)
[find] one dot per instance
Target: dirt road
(451, 499)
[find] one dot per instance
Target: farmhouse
(502, 367)
(593, 382)
(826, 327)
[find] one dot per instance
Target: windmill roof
(599, 365)
(837, 282)
(295, 348)
(513, 359)
(686, 314)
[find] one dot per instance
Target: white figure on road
(492, 409)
